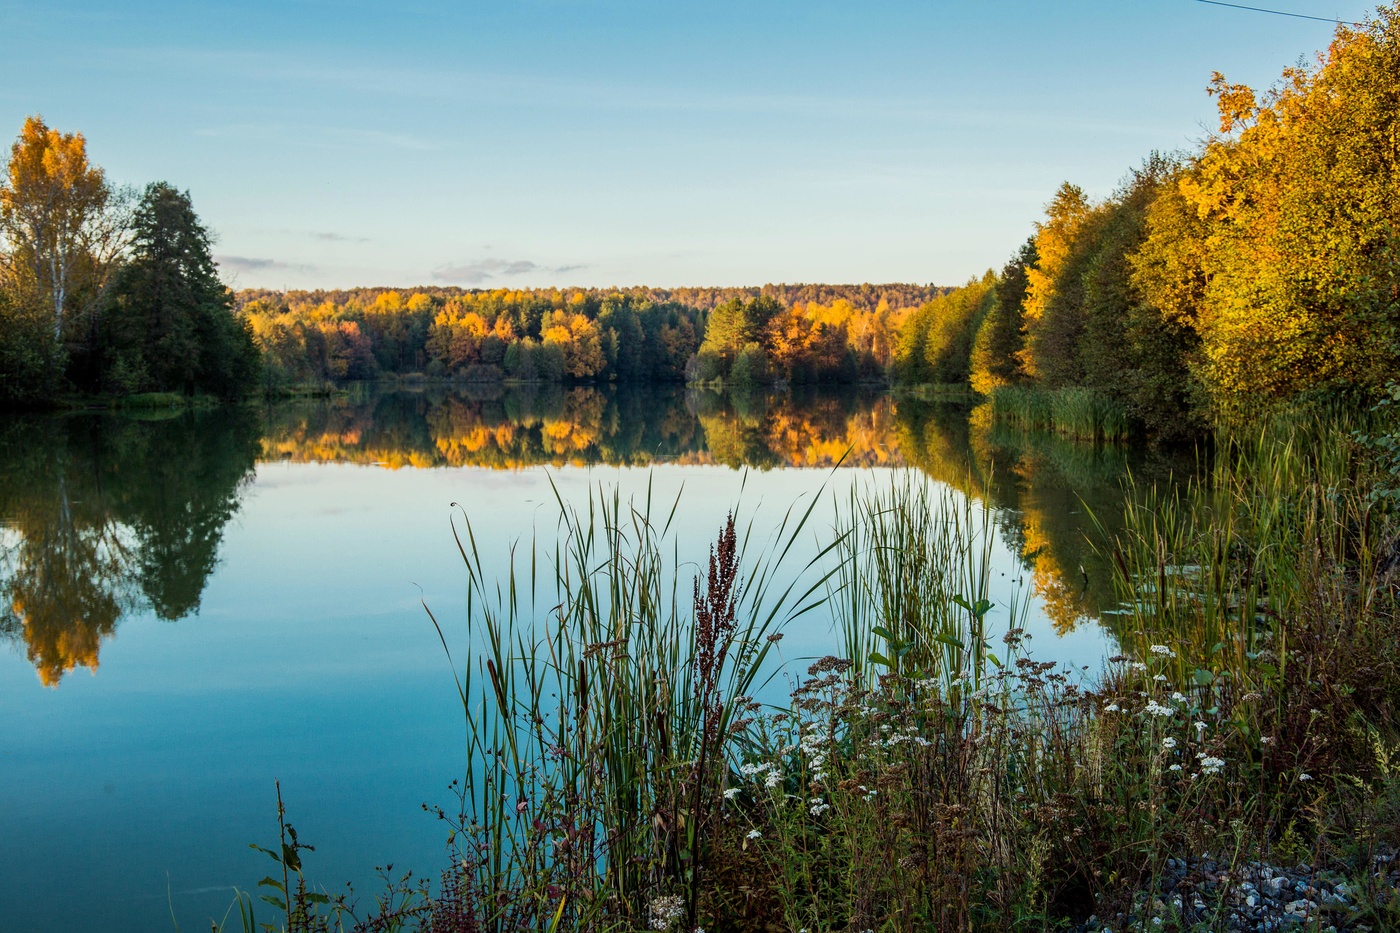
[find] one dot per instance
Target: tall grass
(599, 730)
(936, 777)
(912, 580)
(1270, 579)
(1082, 414)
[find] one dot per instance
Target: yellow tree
(578, 337)
(64, 223)
(1278, 245)
(1054, 242)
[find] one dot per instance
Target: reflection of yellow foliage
(1050, 581)
(56, 641)
(1036, 501)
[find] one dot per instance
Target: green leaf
(268, 852)
(1204, 678)
(271, 882)
(879, 658)
(290, 857)
(949, 640)
(275, 901)
(317, 899)
(884, 633)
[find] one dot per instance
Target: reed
(599, 729)
(936, 776)
(1268, 582)
(1081, 414)
(912, 580)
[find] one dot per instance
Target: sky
(528, 143)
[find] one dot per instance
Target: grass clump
(1081, 414)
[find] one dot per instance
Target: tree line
(579, 335)
(106, 291)
(540, 335)
(1256, 270)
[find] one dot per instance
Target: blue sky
(335, 143)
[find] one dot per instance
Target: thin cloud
(258, 264)
(319, 137)
(337, 237)
(482, 270)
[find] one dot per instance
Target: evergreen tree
(995, 356)
(170, 326)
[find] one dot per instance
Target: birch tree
(64, 224)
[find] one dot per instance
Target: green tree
(29, 371)
(170, 325)
(1002, 336)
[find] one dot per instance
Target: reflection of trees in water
(1039, 484)
(105, 515)
(487, 426)
(797, 429)
(1056, 497)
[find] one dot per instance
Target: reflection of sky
(313, 662)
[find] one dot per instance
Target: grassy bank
(1082, 414)
(633, 767)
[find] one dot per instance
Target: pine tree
(171, 325)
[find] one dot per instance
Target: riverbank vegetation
(1251, 272)
(640, 757)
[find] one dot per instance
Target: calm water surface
(193, 606)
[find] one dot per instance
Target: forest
(104, 291)
(1258, 269)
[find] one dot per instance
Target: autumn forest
(1256, 270)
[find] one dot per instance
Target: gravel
(1203, 894)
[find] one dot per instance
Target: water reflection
(101, 515)
(104, 515)
(1058, 500)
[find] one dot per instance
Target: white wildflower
(1138, 666)
(1305, 776)
(1160, 678)
(1162, 650)
(1111, 708)
(773, 779)
(665, 911)
(1174, 768)
(1200, 727)
(730, 793)
(1212, 765)
(1154, 708)
(753, 834)
(1169, 743)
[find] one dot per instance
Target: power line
(1259, 9)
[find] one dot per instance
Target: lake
(196, 604)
